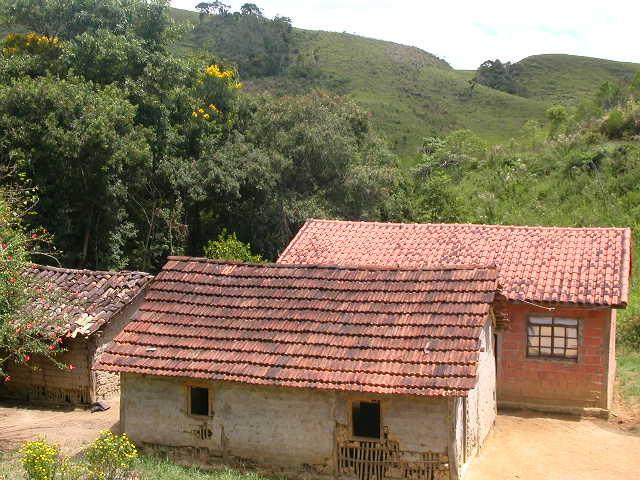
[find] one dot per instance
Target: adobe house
(562, 285)
(97, 306)
(357, 372)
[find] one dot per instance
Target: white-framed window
(552, 337)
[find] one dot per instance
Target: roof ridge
(417, 224)
(327, 266)
(90, 272)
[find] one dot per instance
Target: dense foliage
(139, 153)
(258, 45)
(501, 76)
(26, 330)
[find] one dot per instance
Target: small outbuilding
(356, 372)
(97, 306)
(562, 288)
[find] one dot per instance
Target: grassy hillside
(409, 92)
(568, 78)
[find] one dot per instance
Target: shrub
(40, 460)
(110, 457)
(614, 125)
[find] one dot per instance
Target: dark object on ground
(98, 407)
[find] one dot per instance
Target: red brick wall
(566, 383)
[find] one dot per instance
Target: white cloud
(465, 33)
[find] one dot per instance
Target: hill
(409, 92)
(568, 79)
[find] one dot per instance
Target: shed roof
(368, 329)
(90, 299)
(545, 264)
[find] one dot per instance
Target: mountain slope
(568, 79)
(409, 92)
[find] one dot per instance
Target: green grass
(629, 375)
(147, 468)
(568, 79)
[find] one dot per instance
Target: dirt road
(529, 446)
(70, 428)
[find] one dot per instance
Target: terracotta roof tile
(544, 264)
(91, 298)
(372, 329)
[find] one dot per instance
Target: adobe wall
(557, 383)
(286, 429)
(107, 384)
(50, 384)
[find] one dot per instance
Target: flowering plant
(110, 457)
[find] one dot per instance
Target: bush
(110, 457)
(40, 460)
(614, 125)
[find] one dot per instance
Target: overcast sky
(465, 33)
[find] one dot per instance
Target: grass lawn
(147, 468)
(629, 375)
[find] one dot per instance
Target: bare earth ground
(523, 445)
(531, 446)
(70, 428)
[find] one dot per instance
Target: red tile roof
(90, 299)
(404, 331)
(544, 264)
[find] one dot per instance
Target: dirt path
(70, 428)
(529, 446)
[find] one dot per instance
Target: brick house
(358, 372)
(97, 305)
(562, 285)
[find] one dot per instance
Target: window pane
(545, 331)
(565, 321)
(540, 320)
(534, 341)
(534, 352)
(558, 342)
(572, 343)
(559, 331)
(571, 353)
(545, 351)
(365, 417)
(572, 332)
(534, 331)
(545, 341)
(199, 401)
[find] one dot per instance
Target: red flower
(52, 346)
(71, 367)
(27, 358)
(12, 280)
(29, 325)
(7, 379)
(9, 257)
(5, 246)
(34, 236)
(59, 340)
(45, 231)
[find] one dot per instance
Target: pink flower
(7, 379)
(71, 367)
(34, 236)
(27, 358)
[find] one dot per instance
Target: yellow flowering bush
(40, 460)
(216, 72)
(16, 43)
(110, 457)
(207, 113)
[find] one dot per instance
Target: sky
(466, 33)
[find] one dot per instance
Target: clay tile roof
(545, 264)
(90, 298)
(381, 330)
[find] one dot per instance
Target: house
(97, 306)
(562, 285)
(358, 372)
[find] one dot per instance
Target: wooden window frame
(381, 428)
(552, 324)
(188, 388)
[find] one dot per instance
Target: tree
(558, 118)
(250, 9)
(26, 327)
(228, 247)
(609, 95)
(213, 8)
(500, 76)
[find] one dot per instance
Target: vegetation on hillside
(139, 153)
